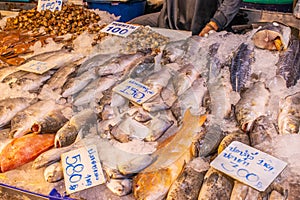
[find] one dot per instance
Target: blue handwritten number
(74, 168)
(124, 31)
(115, 30)
(76, 158)
(73, 187)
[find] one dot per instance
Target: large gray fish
(119, 64)
(32, 81)
(185, 78)
(94, 61)
(11, 106)
(68, 133)
(288, 65)
(289, 115)
(263, 130)
(240, 69)
(76, 84)
(191, 99)
(221, 95)
(23, 121)
(272, 36)
(158, 80)
(94, 89)
(216, 185)
(189, 182)
(252, 105)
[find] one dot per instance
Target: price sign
(134, 91)
(82, 169)
(248, 165)
(36, 66)
(120, 29)
(51, 5)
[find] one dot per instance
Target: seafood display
(206, 93)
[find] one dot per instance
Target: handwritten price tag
(82, 169)
(120, 29)
(36, 67)
(51, 5)
(134, 91)
(248, 165)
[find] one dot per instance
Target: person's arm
(223, 16)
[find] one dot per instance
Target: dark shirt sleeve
(226, 12)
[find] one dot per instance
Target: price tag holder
(134, 91)
(82, 169)
(36, 67)
(51, 5)
(119, 28)
(248, 165)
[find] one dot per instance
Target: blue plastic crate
(126, 9)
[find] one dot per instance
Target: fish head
(65, 136)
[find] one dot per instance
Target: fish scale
(240, 69)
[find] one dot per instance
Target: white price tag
(82, 169)
(248, 165)
(35, 66)
(134, 91)
(119, 28)
(51, 5)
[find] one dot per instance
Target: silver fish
(13, 77)
(288, 118)
(76, 84)
(191, 99)
(51, 156)
(68, 133)
(288, 64)
(94, 89)
(11, 106)
(119, 64)
(155, 104)
(240, 69)
(252, 105)
(22, 122)
(120, 187)
(54, 172)
(216, 185)
(94, 61)
(32, 81)
(185, 78)
(158, 80)
(174, 51)
(188, 183)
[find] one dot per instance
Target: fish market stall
(88, 114)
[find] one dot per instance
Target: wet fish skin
(24, 149)
(215, 186)
(240, 69)
(54, 173)
(188, 183)
(119, 64)
(158, 80)
(252, 105)
(22, 122)
(136, 165)
(174, 51)
(184, 80)
(68, 133)
(51, 156)
(6, 71)
(241, 191)
(11, 106)
(76, 84)
(288, 118)
(288, 64)
(263, 130)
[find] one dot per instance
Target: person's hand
(211, 26)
